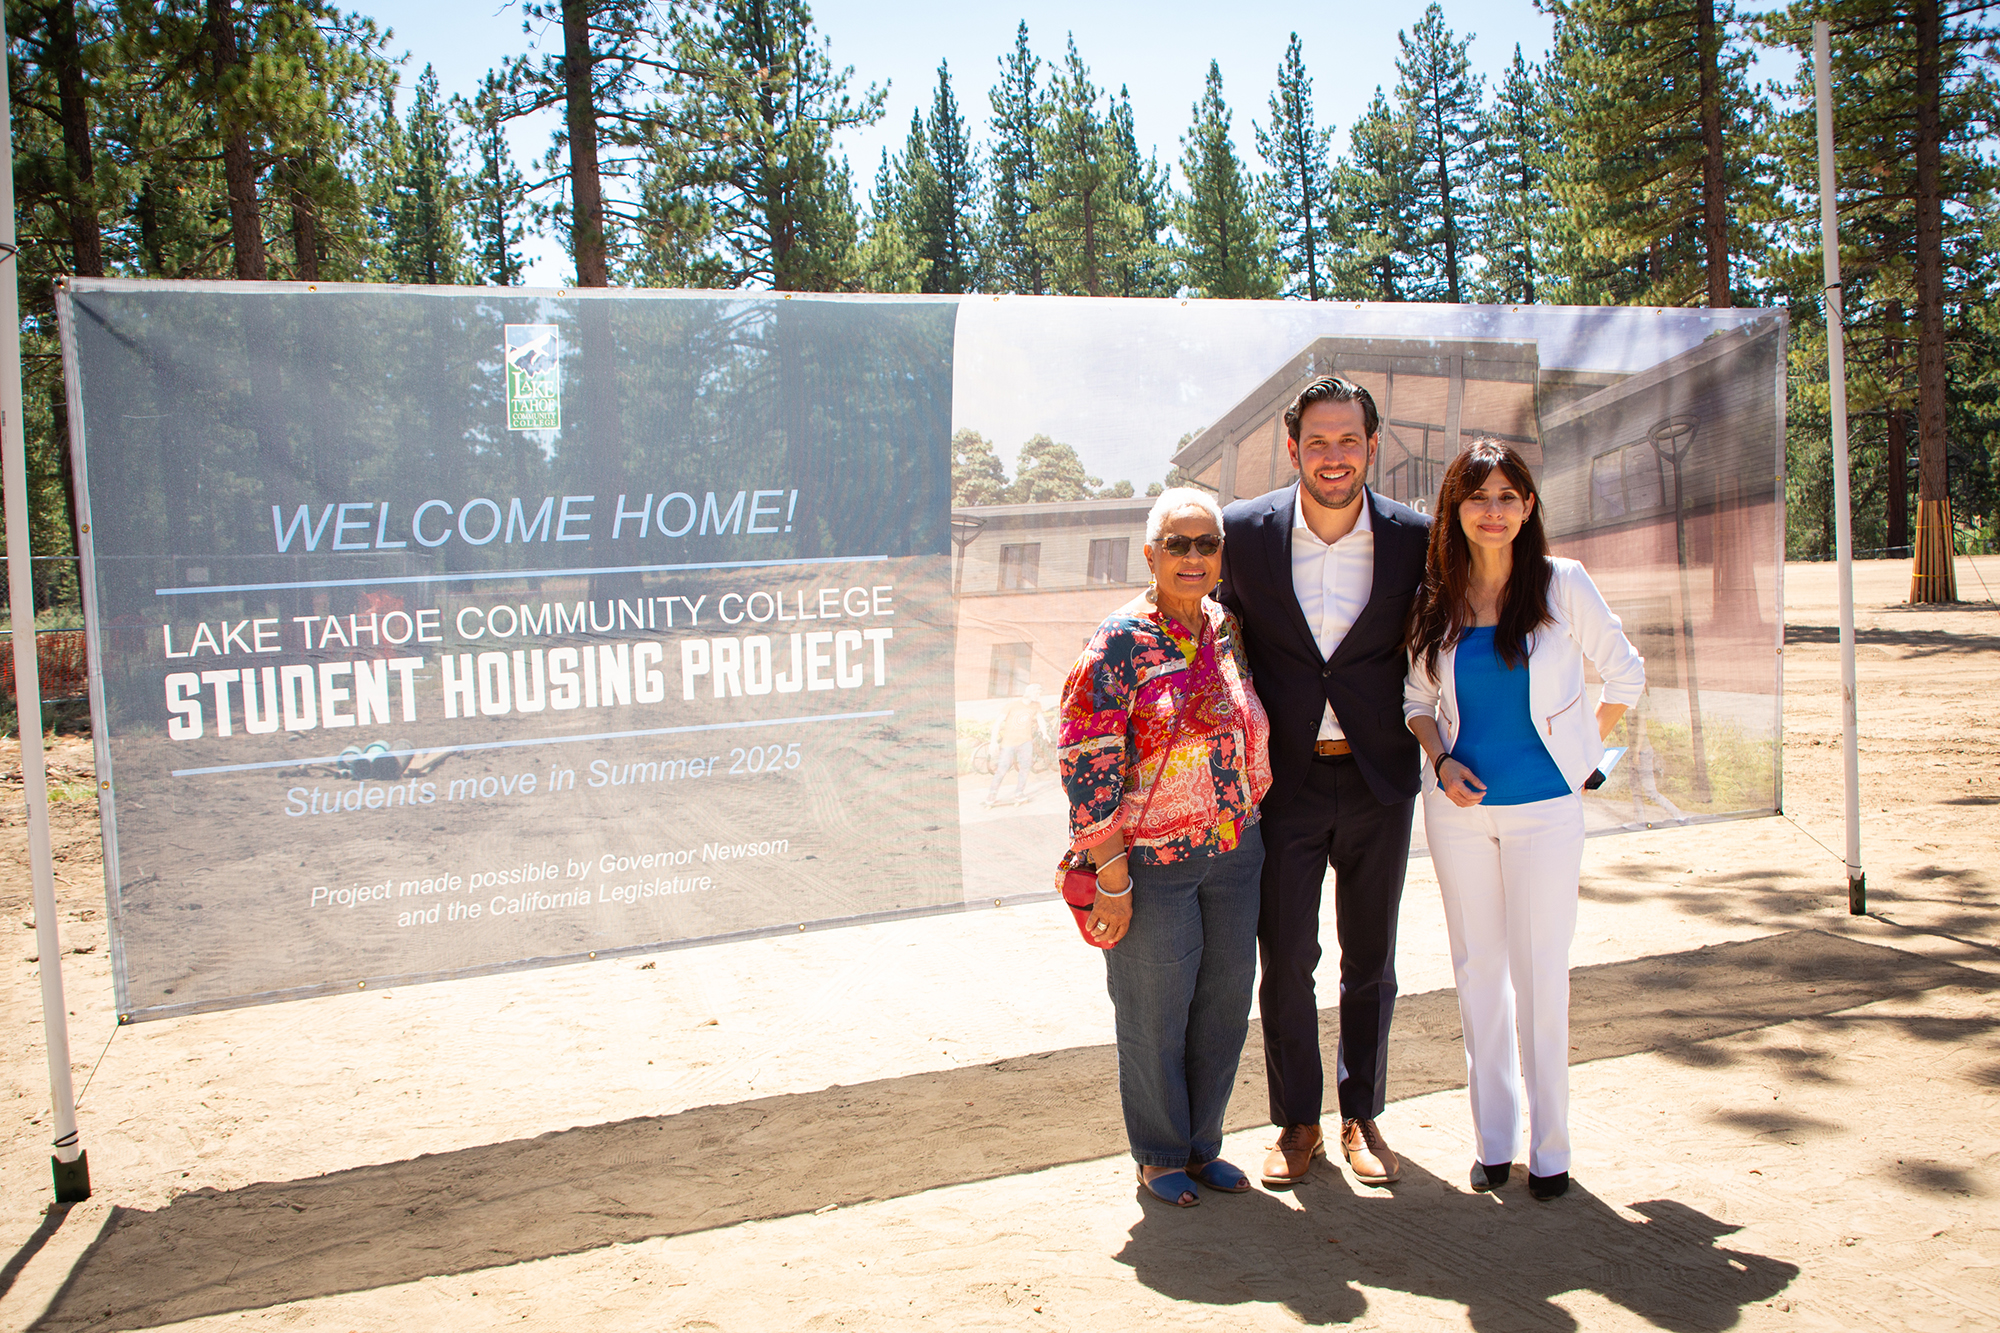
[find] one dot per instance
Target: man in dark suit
(1320, 575)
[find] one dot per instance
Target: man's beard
(1321, 497)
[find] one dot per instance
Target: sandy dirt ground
(1784, 1115)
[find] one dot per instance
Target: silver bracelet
(1106, 893)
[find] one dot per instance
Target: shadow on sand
(1913, 642)
(1501, 1256)
(211, 1251)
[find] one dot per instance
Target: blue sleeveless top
(1496, 733)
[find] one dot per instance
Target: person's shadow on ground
(1504, 1257)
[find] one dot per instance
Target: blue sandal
(1175, 1188)
(1220, 1176)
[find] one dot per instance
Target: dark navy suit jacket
(1363, 680)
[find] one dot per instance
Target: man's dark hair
(1332, 389)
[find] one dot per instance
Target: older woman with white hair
(1164, 758)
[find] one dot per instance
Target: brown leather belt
(1330, 748)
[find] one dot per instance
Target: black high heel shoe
(1545, 1188)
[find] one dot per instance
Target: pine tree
(172, 222)
(1084, 220)
(1517, 201)
(276, 92)
(1660, 169)
(1910, 127)
(888, 260)
(58, 157)
(385, 163)
(1224, 253)
(494, 190)
(1440, 99)
(227, 84)
(1014, 258)
(426, 243)
(346, 76)
(1298, 190)
(759, 103)
(60, 77)
(673, 232)
(1934, 577)
(613, 56)
(1373, 225)
(942, 197)
(1144, 265)
(923, 235)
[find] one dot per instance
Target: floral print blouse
(1118, 709)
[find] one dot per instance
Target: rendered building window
(1020, 566)
(1007, 676)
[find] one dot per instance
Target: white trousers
(1508, 874)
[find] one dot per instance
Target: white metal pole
(1843, 540)
(71, 1167)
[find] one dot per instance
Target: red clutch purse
(1079, 890)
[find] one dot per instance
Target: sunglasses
(1177, 545)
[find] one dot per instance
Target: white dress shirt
(1332, 583)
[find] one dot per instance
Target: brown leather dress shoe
(1292, 1154)
(1368, 1156)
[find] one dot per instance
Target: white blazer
(1584, 627)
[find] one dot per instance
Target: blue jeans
(1180, 982)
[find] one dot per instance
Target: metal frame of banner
(68, 1163)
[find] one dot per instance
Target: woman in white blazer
(1499, 632)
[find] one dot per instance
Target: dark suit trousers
(1332, 819)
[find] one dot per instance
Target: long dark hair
(1441, 612)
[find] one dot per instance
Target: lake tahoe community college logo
(534, 377)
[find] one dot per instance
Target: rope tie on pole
(89, 1078)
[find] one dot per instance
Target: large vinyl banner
(442, 631)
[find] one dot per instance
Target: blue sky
(1159, 50)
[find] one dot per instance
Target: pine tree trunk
(778, 193)
(1897, 467)
(239, 168)
(1898, 461)
(1090, 279)
(587, 239)
(305, 237)
(1312, 254)
(1527, 235)
(1302, 154)
(1450, 227)
(85, 237)
(1715, 217)
(146, 211)
(1934, 579)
